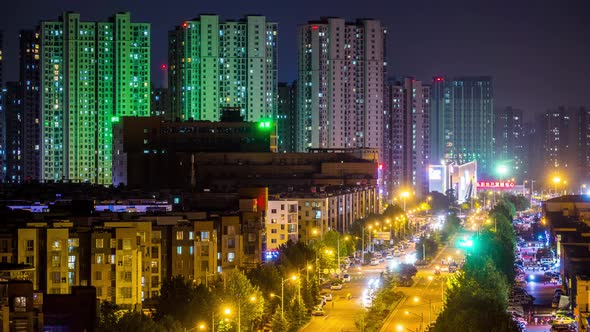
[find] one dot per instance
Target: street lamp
(370, 238)
(556, 180)
(283, 281)
(405, 194)
(363, 242)
(200, 327)
(307, 268)
(345, 239)
(421, 316)
(495, 224)
(417, 299)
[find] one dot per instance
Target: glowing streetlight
(283, 281)
(421, 315)
(405, 195)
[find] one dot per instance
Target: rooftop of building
(4, 267)
(325, 19)
(570, 199)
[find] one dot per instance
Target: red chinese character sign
(495, 184)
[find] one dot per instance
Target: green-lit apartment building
(215, 64)
(462, 121)
(92, 73)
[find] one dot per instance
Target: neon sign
(496, 184)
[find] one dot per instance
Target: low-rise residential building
(281, 226)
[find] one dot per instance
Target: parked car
(453, 267)
(336, 285)
(374, 261)
(327, 296)
(318, 311)
(346, 278)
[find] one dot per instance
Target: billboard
(382, 236)
(436, 177)
(496, 184)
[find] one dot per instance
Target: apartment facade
(29, 94)
(462, 121)
(340, 84)
(510, 142)
(287, 117)
(281, 224)
(406, 149)
(336, 209)
(91, 74)
(215, 64)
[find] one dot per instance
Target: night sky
(538, 51)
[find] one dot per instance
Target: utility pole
(363, 246)
(532, 183)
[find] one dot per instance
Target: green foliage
(504, 208)
(238, 293)
(298, 315)
(373, 319)
(108, 314)
(430, 246)
(279, 323)
(478, 294)
(451, 226)
(520, 202)
(439, 202)
(267, 277)
(134, 321)
(295, 255)
(185, 302)
(403, 274)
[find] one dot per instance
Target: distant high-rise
(406, 139)
(91, 74)
(557, 141)
(2, 118)
(340, 85)
(14, 133)
(29, 94)
(583, 146)
(160, 104)
(1, 58)
(462, 121)
(286, 117)
(214, 65)
(510, 142)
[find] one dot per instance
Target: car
(336, 286)
(318, 311)
(346, 278)
(397, 253)
(374, 262)
(453, 267)
(327, 296)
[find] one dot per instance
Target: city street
(342, 313)
(423, 301)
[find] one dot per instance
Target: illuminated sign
(382, 236)
(495, 184)
(435, 173)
